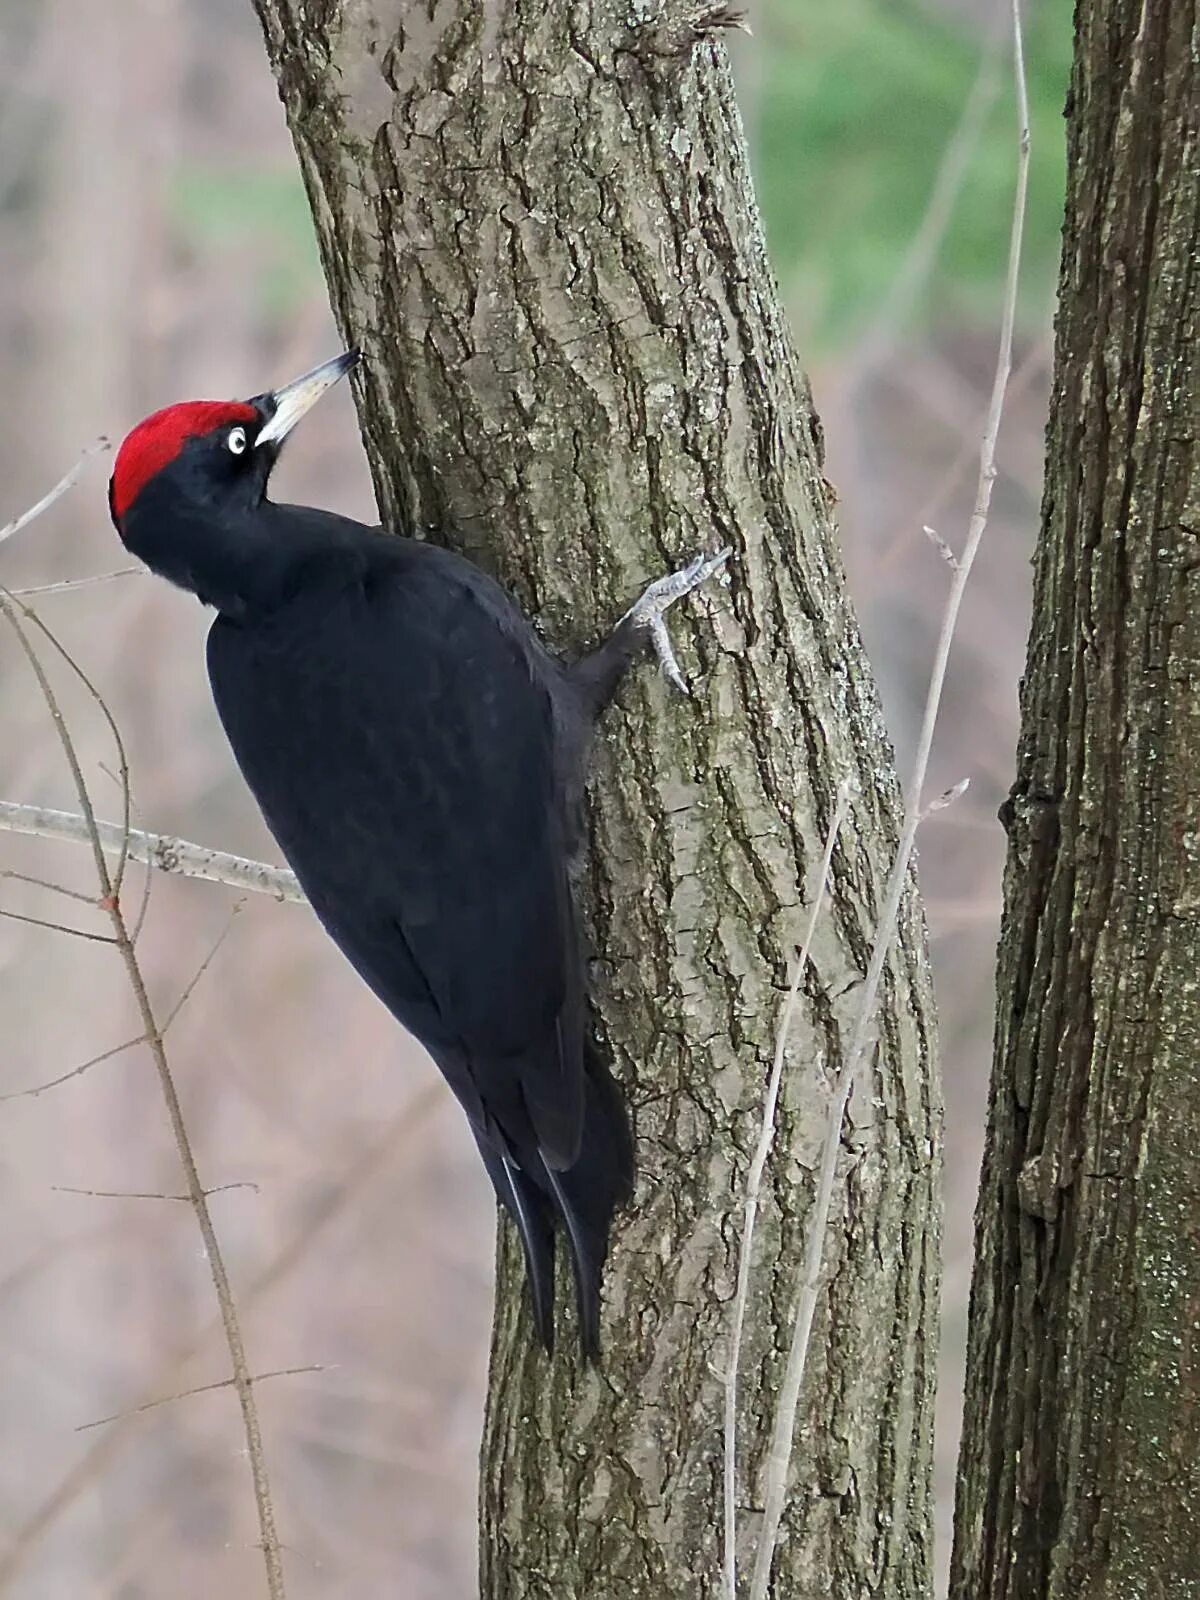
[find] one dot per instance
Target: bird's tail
(588, 1194)
(532, 1211)
(581, 1199)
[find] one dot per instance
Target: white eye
(237, 441)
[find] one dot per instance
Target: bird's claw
(649, 612)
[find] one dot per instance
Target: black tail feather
(583, 1198)
(534, 1217)
(587, 1264)
(588, 1193)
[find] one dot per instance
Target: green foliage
(857, 103)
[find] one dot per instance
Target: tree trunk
(536, 220)
(1080, 1471)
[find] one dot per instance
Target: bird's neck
(246, 563)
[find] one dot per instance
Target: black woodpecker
(419, 757)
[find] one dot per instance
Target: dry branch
(157, 850)
(65, 584)
(779, 1457)
(45, 883)
(60, 488)
(199, 1388)
(406, 1126)
(916, 268)
(56, 927)
(147, 1194)
(75, 1072)
(754, 1179)
(19, 617)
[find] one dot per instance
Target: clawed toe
(649, 612)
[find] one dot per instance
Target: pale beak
(289, 404)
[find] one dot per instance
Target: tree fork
(1081, 1443)
(536, 220)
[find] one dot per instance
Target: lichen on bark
(539, 227)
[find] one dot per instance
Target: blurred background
(154, 245)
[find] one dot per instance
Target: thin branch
(110, 898)
(57, 927)
(754, 1177)
(157, 850)
(200, 1388)
(147, 876)
(75, 1072)
(66, 482)
(779, 1456)
(934, 502)
(147, 1194)
(143, 906)
(45, 883)
(13, 611)
(940, 545)
(122, 776)
(189, 988)
(379, 1157)
(78, 583)
(926, 243)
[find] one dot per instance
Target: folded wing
(427, 830)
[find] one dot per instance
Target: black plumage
(419, 757)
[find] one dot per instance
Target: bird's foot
(649, 612)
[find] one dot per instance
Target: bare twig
(57, 927)
(754, 1177)
(190, 987)
(147, 876)
(75, 1072)
(157, 850)
(122, 775)
(147, 1194)
(940, 545)
(60, 488)
(779, 1456)
(378, 1158)
(110, 899)
(139, 922)
(933, 503)
(78, 583)
(920, 257)
(186, 1394)
(45, 883)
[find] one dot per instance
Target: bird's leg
(649, 612)
(645, 620)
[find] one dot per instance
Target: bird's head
(188, 480)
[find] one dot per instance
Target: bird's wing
(399, 738)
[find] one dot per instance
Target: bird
(420, 758)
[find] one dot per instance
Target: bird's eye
(237, 441)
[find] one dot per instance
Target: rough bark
(1080, 1471)
(536, 220)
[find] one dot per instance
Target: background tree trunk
(536, 220)
(1081, 1447)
